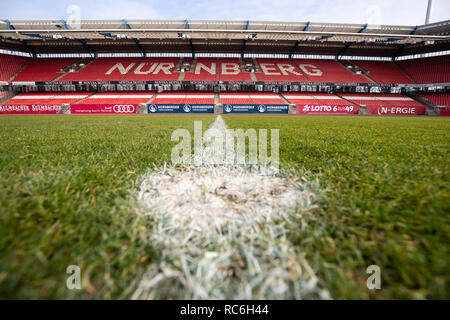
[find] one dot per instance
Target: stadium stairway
(256, 65)
(193, 64)
(130, 73)
(179, 65)
(218, 69)
(178, 69)
(362, 110)
(78, 101)
(20, 70)
(181, 76)
(252, 74)
(152, 98)
(82, 60)
(364, 72)
(65, 110)
(284, 99)
(300, 70)
(8, 95)
(216, 98)
(66, 70)
(241, 64)
(405, 72)
(432, 110)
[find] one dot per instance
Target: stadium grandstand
(310, 67)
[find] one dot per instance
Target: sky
(394, 12)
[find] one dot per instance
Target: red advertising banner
(314, 109)
(397, 111)
(29, 109)
(103, 108)
(445, 113)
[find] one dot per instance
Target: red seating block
(119, 97)
(279, 70)
(184, 97)
(10, 64)
(104, 69)
(44, 69)
(428, 70)
(46, 98)
(384, 71)
(438, 99)
(324, 70)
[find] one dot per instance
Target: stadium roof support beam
(66, 26)
(138, 44)
(349, 44)
(294, 48)
(247, 26)
(341, 52)
(191, 44)
(127, 26)
(296, 44)
(24, 42)
(82, 41)
(244, 42)
(30, 49)
(10, 26)
(402, 47)
(88, 47)
(363, 29)
(306, 28)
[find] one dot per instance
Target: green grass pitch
(68, 185)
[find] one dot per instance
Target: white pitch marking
(220, 232)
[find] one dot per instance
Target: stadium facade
(175, 66)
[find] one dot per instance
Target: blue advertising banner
(180, 108)
(256, 108)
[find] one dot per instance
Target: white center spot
(206, 197)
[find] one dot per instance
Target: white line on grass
(221, 233)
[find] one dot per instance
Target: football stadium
(352, 203)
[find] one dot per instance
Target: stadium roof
(254, 37)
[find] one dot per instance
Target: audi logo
(124, 108)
